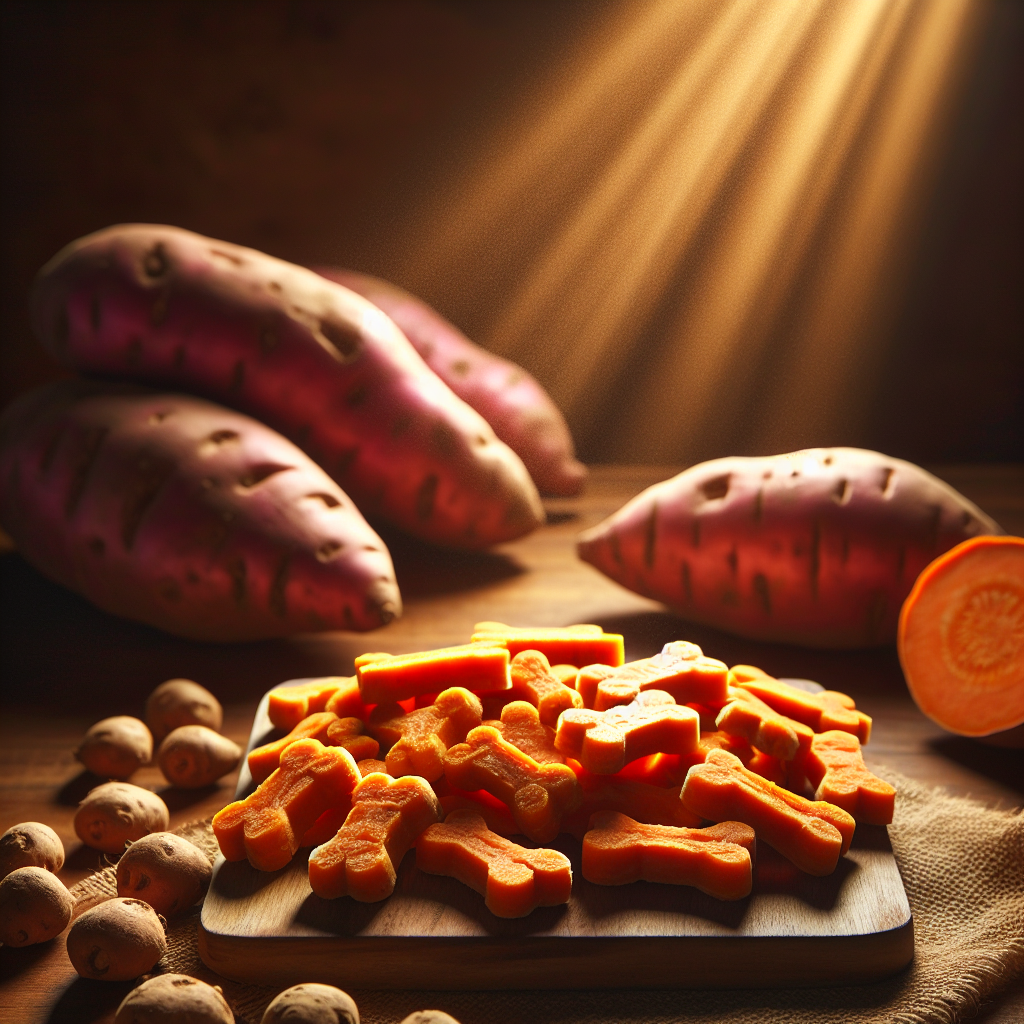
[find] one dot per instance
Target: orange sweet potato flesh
(533, 681)
(749, 717)
(289, 705)
(514, 881)
(961, 637)
(618, 850)
(835, 768)
(521, 726)
(566, 645)
(480, 668)
(816, 547)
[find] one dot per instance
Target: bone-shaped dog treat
(539, 795)
(533, 681)
(513, 881)
(497, 816)
(823, 711)
(812, 834)
(419, 739)
(289, 705)
(369, 765)
(717, 860)
(835, 767)
(567, 645)
(388, 815)
(521, 726)
(268, 825)
(480, 668)
(748, 716)
(347, 702)
(605, 741)
(326, 826)
(324, 726)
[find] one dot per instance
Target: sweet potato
(817, 547)
(174, 999)
(30, 844)
(115, 747)
(193, 756)
(165, 871)
(961, 638)
(117, 813)
(178, 702)
(177, 512)
(117, 940)
(311, 359)
(510, 399)
(34, 906)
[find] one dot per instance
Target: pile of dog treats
(667, 768)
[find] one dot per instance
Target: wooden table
(65, 665)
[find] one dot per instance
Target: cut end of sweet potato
(961, 637)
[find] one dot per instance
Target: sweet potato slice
(961, 637)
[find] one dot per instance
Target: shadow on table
(1004, 765)
(85, 999)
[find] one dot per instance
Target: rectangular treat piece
(268, 825)
(836, 770)
(618, 850)
(812, 834)
(566, 645)
(289, 705)
(513, 881)
(748, 717)
(479, 668)
(533, 681)
(418, 740)
(606, 741)
(538, 795)
(388, 815)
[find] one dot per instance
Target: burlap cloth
(963, 868)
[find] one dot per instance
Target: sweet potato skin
(510, 399)
(817, 547)
(173, 511)
(311, 359)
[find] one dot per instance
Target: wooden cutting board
(435, 933)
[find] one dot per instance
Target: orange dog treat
(772, 733)
(419, 739)
(533, 681)
(513, 881)
(567, 645)
(479, 668)
(605, 741)
(346, 701)
(369, 765)
(539, 795)
(497, 816)
(289, 705)
(268, 825)
(565, 674)
(521, 726)
(324, 726)
(768, 767)
(717, 860)
(812, 834)
(836, 770)
(823, 711)
(388, 815)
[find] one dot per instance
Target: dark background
(307, 129)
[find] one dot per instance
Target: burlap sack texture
(963, 869)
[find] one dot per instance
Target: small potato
(312, 1004)
(174, 999)
(166, 871)
(181, 702)
(117, 813)
(193, 756)
(116, 747)
(34, 906)
(30, 844)
(116, 941)
(429, 1017)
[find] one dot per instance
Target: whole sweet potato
(173, 511)
(308, 357)
(510, 399)
(817, 547)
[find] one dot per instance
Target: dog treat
(539, 795)
(347, 701)
(513, 881)
(812, 834)
(521, 726)
(312, 1004)
(117, 813)
(533, 681)
(605, 741)
(385, 678)
(823, 711)
(268, 825)
(30, 844)
(418, 740)
(497, 816)
(768, 767)
(567, 645)
(115, 748)
(388, 815)
(748, 716)
(178, 702)
(324, 726)
(193, 756)
(289, 705)
(717, 860)
(835, 768)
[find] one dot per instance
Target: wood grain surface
(65, 665)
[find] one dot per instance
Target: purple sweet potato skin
(312, 359)
(510, 399)
(817, 547)
(179, 513)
